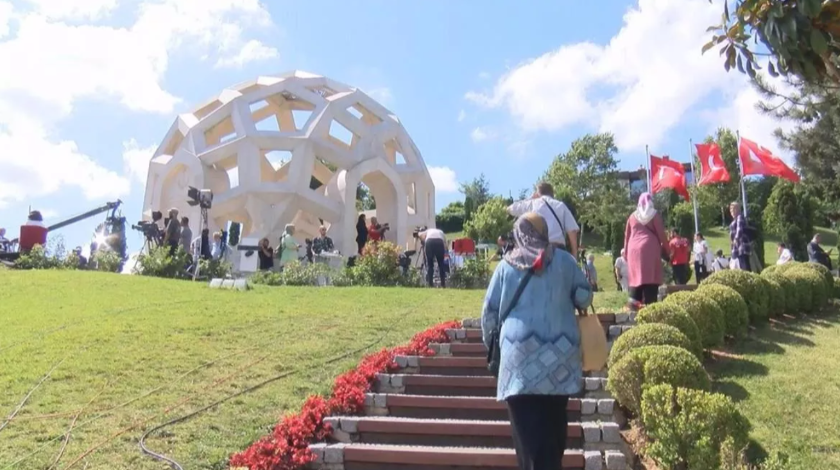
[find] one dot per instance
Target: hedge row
(655, 368)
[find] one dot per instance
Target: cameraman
(434, 241)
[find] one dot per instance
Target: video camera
(417, 230)
(150, 230)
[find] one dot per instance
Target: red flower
(287, 447)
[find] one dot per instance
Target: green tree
(714, 199)
(803, 37)
(476, 193)
(787, 215)
(451, 218)
(490, 221)
(584, 178)
(364, 199)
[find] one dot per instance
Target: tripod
(420, 262)
(202, 227)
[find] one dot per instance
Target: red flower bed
(287, 447)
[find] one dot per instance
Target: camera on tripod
(150, 230)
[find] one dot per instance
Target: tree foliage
(801, 35)
(490, 221)
(787, 216)
(451, 218)
(476, 193)
(584, 178)
(364, 198)
(714, 199)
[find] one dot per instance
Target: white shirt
(702, 253)
(540, 206)
(621, 266)
(720, 264)
(785, 257)
(434, 234)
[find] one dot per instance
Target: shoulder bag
(494, 352)
(593, 341)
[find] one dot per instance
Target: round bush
(835, 293)
(749, 286)
(822, 271)
(675, 316)
(706, 315)
(774, 292)
(802, 286)
(789, 288)
(817, 297)
(651, 365)
(735, 313)
(770, 269)
(650, 334)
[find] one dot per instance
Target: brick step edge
(395, 383)
(591, 409)
(334, 456)
(609, 318)
(346, 428)
(461, 335)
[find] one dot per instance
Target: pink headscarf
(645, 210)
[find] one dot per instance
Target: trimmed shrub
(677, 317)
(789, 288)
(816, 292)
(822, 271)
(686, 428)
(650, 334)
(835, 293)
(707, 315)
(749, 286)
(652, 365)
(774, 292)
(802, 284)
(736, 315)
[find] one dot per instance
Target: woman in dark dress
(361, 232)
(266, 255)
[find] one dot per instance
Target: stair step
(459, 349)
(443, 365)
(390, 457)
(451, 432)
(464, 335)
(477, 408)
(475, 386)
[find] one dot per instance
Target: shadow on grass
(733, 390)
(724, 367)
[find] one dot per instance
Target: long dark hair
(360, 224)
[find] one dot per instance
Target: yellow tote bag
(593, 342)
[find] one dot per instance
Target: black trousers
(744, 263)
(680, 273)
(645, 293)
(435, 251)
(700, 272)
(539, 426)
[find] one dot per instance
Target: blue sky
(482, 87)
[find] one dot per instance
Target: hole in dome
(399, 158)
(258, 105)
(220, 133)
(364, 114)
(341, 133)
(355, 112)
(301, 117)
(233, 177)
(274, 167)
(269, 124)
(323, 91)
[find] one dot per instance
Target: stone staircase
(440, 412)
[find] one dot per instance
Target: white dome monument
(292, 148)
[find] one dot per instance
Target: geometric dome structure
(293, 148)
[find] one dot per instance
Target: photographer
(376, 232)
(172, 235)
(434, 241)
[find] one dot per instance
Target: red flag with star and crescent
(666, 173)
(757, 160)
(712, 167)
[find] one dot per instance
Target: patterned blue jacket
(540, 340)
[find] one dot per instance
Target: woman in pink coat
(644, 242)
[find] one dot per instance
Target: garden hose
(176, 466)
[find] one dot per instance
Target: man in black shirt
(505, 244)
(323, 242)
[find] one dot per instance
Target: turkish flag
(757, 160)
(712, 168)
(665, 173)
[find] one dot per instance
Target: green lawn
(786, 380)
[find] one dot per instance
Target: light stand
(203, 226)
(204, 199)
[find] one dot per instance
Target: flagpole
(694, 176)
(647, 166)
(741, 170)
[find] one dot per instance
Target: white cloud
(462, 115)
(73, 9)
(638, 86)
(382, 95)
(57, 64)
(252, 51)
(136, 160)
(444, 179)
(480, 134)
